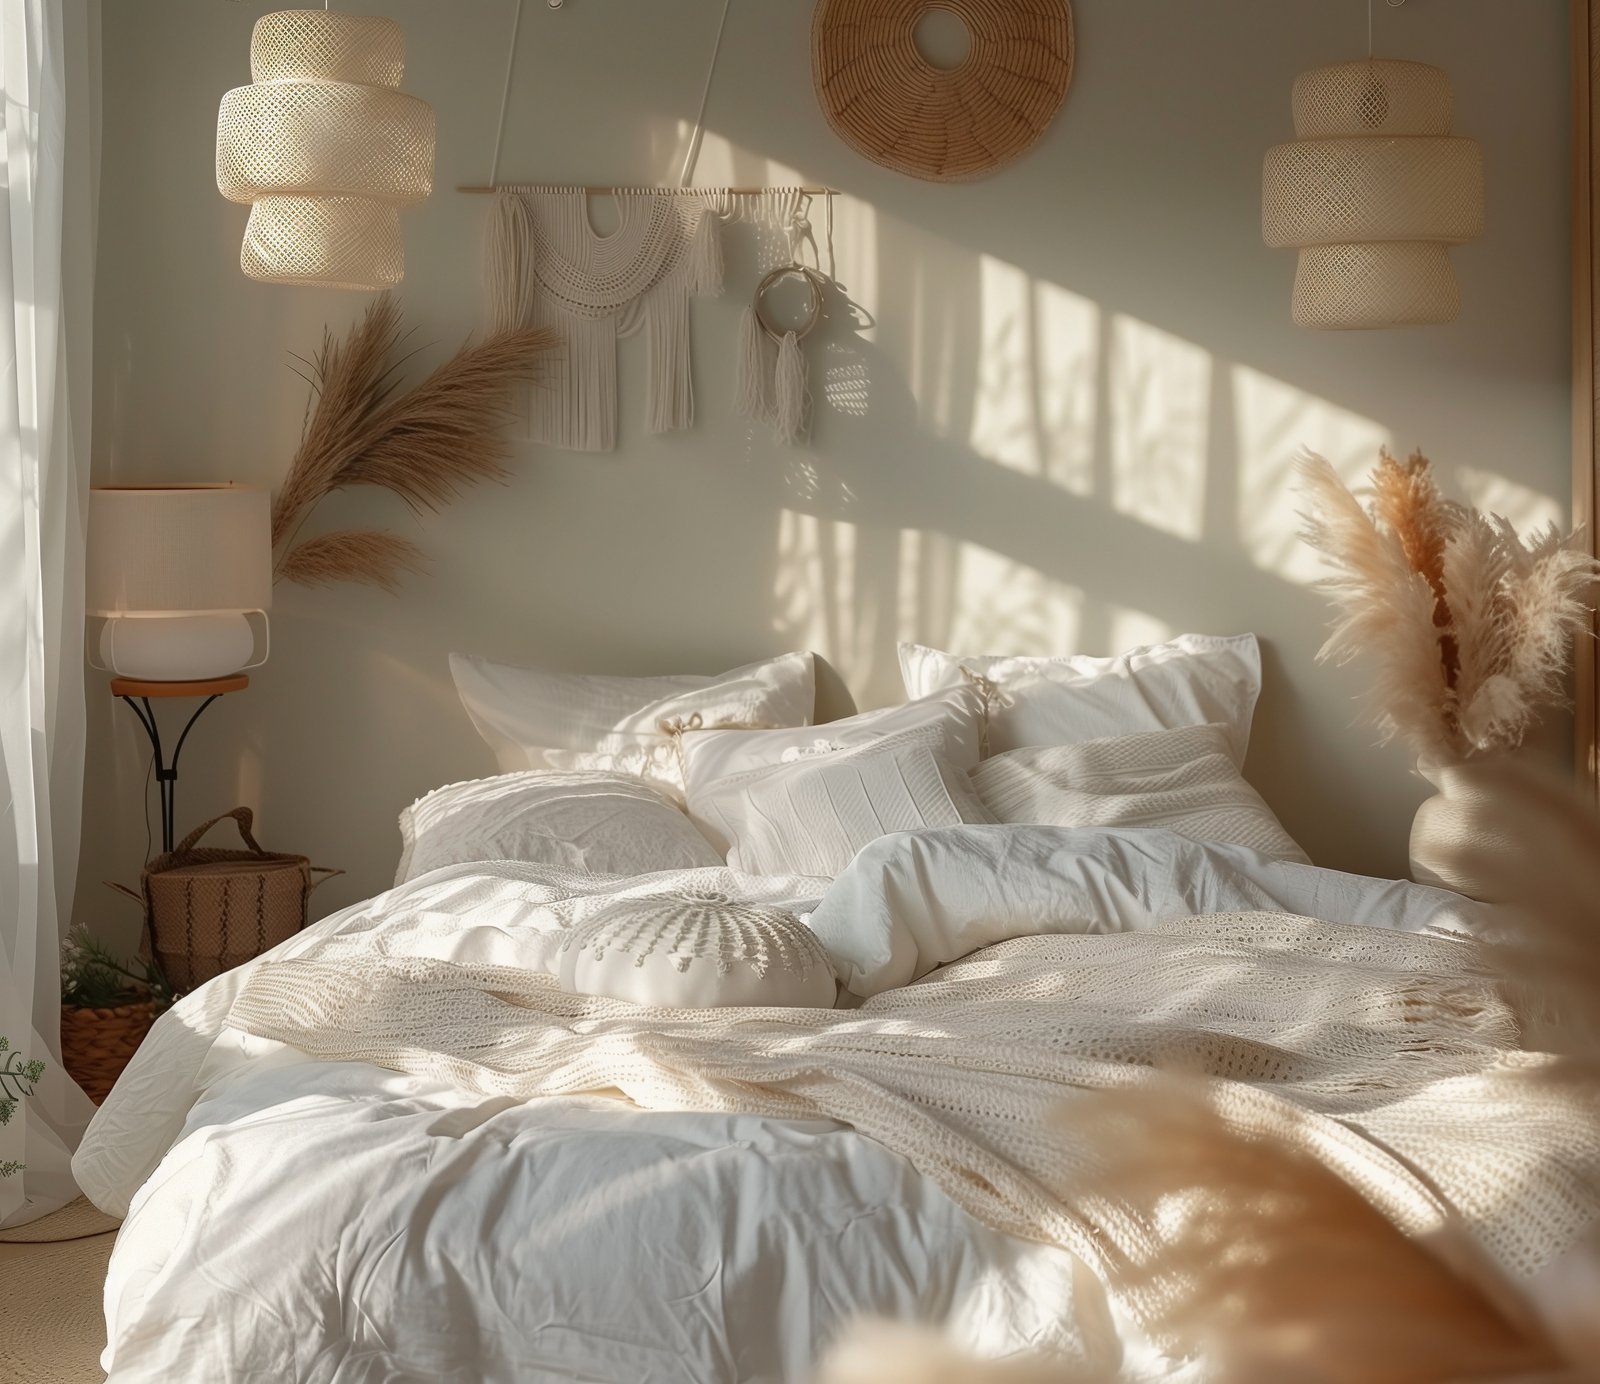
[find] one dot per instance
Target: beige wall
(1054, 408)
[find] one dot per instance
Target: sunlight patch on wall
(970, 599)
(1160, 421)
(1034, 402)
(1521, 504)
(1273, 420)
(817, 603)
(1129, 628)
(1003, 428)
(933, 336)
(722, 163)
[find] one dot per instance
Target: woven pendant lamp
(326, 149)
(1372, 192)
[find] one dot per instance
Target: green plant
(18, 1076)
(92, 977)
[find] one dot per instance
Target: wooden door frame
(1585, 357)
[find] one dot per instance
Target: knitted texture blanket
(1392, 1058)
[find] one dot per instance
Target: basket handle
(242, 815)
(326, 874)
(123, 889)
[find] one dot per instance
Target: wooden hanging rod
(612, 191)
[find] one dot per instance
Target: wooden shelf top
(212, 687)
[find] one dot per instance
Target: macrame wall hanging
(770, 384)
(546, 266)
(891, 105)
(770, 372)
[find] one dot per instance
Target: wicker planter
(96, 1044)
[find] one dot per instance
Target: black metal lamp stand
(137, 695)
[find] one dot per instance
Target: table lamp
(181, 577)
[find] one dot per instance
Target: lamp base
(177, 648)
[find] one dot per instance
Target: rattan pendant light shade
(1372, 192)
(326, 149)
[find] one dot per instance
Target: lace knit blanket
(1390, 1057)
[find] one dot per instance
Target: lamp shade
(179, 550)
(325, 147)
(1372, 192)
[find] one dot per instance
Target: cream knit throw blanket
(1389, 1056)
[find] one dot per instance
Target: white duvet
(319, 1221)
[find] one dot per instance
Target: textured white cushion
(534, 719)
(810, 815)
(607, 824)
(1192, 680)
(956, 714)
(698, 949)
(1183, 780)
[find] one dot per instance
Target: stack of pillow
(1155, 737)
(624, 776)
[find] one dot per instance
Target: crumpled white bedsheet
(290, 1220)
(917, 900)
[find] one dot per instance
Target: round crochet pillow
(698, 949)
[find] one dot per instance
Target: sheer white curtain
(48, 95)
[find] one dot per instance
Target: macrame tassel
(705, 255)
(751, 368)
(789, 390)
(507, 256)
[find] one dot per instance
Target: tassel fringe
(507, 260)
(789, 391)
(705, 255)
(752, 369)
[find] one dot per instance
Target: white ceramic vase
(1463, 835)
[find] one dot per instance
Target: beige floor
(51, 1327)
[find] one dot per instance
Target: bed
(407, 1145)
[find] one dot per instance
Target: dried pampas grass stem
(1471, 626)
(363, 555)
(427, 444)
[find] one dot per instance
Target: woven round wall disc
(893, 106)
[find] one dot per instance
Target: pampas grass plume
(426, 444)
(1470, 627)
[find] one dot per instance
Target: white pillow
(534, 719)
(696, 949)
(1192, 680)
(1183, 780)
(956, 714)
(607, 824)
(811, 815)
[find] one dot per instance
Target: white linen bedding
(597, 823)
(1182, 779)
(335, 1221)
(911, 902)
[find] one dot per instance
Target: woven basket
(96, 1044)
(891, 105)
(208, 909)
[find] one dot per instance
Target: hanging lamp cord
(693, 151)
(690, 154)
(1393, 5)
(505, 96)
